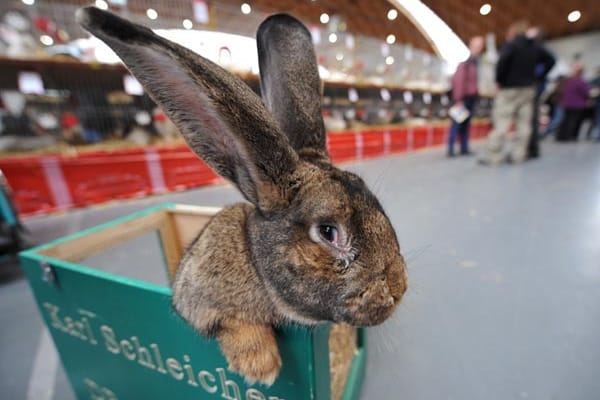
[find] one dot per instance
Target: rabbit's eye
(329, 233)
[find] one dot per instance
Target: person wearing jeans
(464, 93)
(462, 129)
(556, 111)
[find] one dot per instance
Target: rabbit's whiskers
(415, 253)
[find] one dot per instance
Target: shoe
(510, 160)
(450, 155)
(467, 154)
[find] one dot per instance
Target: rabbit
(312, 244)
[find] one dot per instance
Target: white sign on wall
(30, 83)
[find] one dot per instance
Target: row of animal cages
(45, 104)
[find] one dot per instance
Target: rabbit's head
(319, 239)
(331, 254)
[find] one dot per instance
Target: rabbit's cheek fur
(380, 280)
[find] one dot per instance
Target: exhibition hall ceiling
(465, 18)
(369, 17)
(363, 17)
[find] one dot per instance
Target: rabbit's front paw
(251, 350)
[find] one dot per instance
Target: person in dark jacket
(465, 94)
(515, 77)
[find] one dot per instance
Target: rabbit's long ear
(220, 117)
(290, 83)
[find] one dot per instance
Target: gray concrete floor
(504, 264)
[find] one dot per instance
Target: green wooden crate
(119, 338)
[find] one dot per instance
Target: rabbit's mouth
(371, 314)
(372, 306)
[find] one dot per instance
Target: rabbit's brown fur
(314, 245)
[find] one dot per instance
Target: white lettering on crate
(98, 392)
(85, 327)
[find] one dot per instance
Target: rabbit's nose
(397, 279)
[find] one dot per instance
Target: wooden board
(177, 227)
(181, 226)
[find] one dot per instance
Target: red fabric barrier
(399, 140)
(27, 179)
(474, 131)
(419, 137)
(439, 135)
(136, 151)
(48, 183)
(479, 131)
(373, 142)
(98, 179)
(185, 170)
(342, 146)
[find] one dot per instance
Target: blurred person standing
(515, 76)
(556, 111)
(534, 33)
(574, 100)
(595, 93)
(465, 94)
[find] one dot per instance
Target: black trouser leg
(569, 128)
(533, 147)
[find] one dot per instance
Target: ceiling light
(332, 38)
(101, 4)
(188, 24)
(246, 9)
(389, 60)
(28, 2)
(324, 18)
(392, 14)
(485, 9)
(339, 56)
(151, 13)
(390, 39)
(47, 40)
(574, 16)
